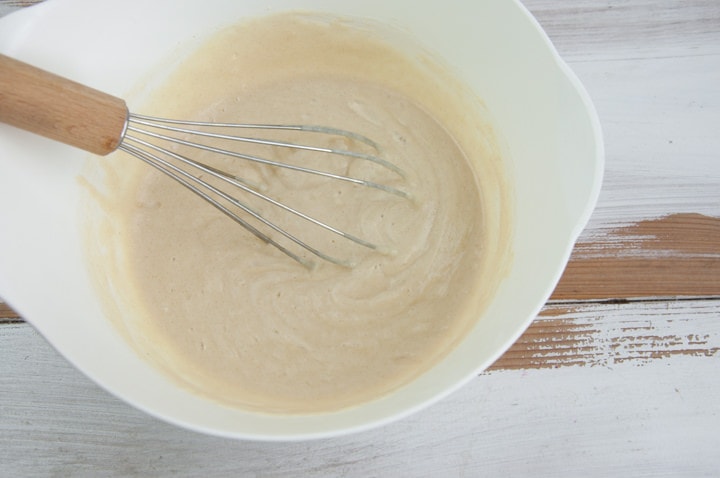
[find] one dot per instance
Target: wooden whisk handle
(57, 108)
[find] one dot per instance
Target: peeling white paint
(637, 333)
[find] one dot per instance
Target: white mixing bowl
(542, 114)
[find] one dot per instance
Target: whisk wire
(195, 185)
(157, 156)
(269, 162)
(222, 176)
(162, 123)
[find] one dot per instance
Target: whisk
(66, 111)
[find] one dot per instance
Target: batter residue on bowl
(237, 321)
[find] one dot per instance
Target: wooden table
(620, 373)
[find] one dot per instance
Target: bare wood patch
(676, 255)
(7, 314)
(604, 334)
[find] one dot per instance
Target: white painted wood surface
(628, 389)
(621, 414)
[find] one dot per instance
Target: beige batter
(236, 320)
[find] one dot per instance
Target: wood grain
(605, 29)
(672, 256)
(607, 334)
(7, 314)
(57, 108)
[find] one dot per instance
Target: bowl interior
(547, 126)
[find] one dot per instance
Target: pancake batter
(236, 320)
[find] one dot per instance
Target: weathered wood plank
(676, 255)
(639, 29)
(655, 417)
(569, 334)
(607, 334)
(673, 256)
